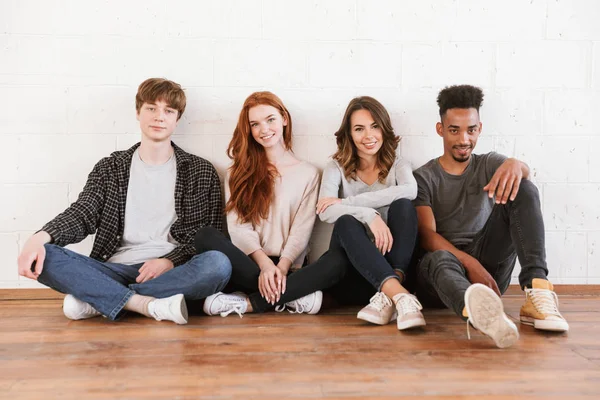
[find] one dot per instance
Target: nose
(464, 137)
(264, 128)
(160, 115)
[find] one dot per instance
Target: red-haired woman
(271, 199)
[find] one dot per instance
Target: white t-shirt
(149, 212)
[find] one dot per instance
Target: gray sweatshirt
(362, 201)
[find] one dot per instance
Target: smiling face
(460, 129)
(266, 125)
(157, 120)
(367, 135)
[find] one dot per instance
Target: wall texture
(69, 71)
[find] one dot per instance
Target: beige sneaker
(409, 311)
(380, 310)
(541, 308)
(486, 314)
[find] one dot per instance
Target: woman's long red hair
(252, 177)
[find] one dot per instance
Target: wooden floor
(332, 355)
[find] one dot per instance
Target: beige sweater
(287, 230)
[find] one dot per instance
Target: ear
(480, 127)
(439, 129)
(285, 121)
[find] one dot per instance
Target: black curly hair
(459, 96)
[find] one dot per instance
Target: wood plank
(279, 355)
(513, 290)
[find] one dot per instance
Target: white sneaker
(486, 314)
(170, 309)
(310, 304)
(75, 309)
(225, 304)
(409, 311)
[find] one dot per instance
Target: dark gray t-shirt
(459, 204)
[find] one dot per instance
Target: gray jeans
(515, 229)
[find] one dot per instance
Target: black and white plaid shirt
(100, 207)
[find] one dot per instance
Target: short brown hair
(155, 89)
(346, 154)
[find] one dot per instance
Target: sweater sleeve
(405, 188)
(303, 221)
(330, 187)
(243, 235)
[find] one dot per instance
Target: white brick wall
(69, 71)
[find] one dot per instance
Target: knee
(528, 191)
(404, 210)
(53, 252)
(345, 223)
(217, 264)
(205, 236)
(438, 259)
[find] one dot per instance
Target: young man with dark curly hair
(478, 213)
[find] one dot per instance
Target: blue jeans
(108, 286)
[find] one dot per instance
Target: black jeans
(367, 268)
(245, 272)
(514, 229)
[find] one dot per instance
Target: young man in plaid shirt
(145, 205)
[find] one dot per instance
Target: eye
(253, 125)
(150, 108)
(453, 131)
(358, 129)
(270, 120)
(374, 126)
(170, 111)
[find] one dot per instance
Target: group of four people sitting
(447, 234)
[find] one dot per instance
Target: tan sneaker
(541, 308)
(486, 314)
(409, 311)
(380, 310)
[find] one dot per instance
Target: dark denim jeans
(367, 268)
(514, 229)
(108, 286)
(245, 271)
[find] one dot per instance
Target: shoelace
(379, 301)
(544, 300)
(409, 304)
(232, 306)
(295, 307)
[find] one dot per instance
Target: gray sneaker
(409, 313)
(380, 310)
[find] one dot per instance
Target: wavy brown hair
(346, 154)
(252, 176)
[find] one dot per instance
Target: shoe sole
(208, 303)
(179, 306)
(374, 319)
(319, 300)
(544, 325)
(411, 323)
(492, 321)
